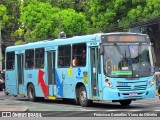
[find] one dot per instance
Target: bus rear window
(10, 60)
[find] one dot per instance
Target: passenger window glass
(39, 58)
(79, 54)
(29, 61)
(64, 56)
(10, 60)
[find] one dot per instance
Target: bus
(117, 67)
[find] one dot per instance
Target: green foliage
(112, 15)
(103, 14)
(3, 15)
(92, 30)
(13, 12)
(19, 34)
(141, 12)
(34, 20)
(19, 42)
(73, 23)
(41, 21)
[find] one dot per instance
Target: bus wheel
(77, 101)
(125, 102)
(159, 93)
(83, 97)
(31, 93)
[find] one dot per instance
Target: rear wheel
(31, 92)
(159, 93)
(77, 101)
(125, 102)
(84, 102)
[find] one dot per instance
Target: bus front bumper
(115, 94)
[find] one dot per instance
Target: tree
(3, 19)
(13, 13)
(113, 15)
(40, 21)
(142, 11)
(73, 23)
(107, 14)
(3, 15)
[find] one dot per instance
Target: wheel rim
(83, 96)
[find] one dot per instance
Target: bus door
(20, 75)
(51, 73)
(94, 71)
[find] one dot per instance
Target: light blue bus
(109, 66)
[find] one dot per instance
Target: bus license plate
(133, 94)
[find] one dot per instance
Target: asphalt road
(147, 107)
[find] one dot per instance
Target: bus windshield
(127, 61)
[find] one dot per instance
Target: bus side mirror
(101, 50)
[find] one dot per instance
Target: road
(69, 108)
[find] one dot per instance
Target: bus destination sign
(123, 38)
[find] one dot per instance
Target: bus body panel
(129, 89)
(66, 79)
(32, 76)
(11, 82)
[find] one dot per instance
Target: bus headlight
(108, 82)
(151, 82)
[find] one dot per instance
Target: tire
(31, 93)
(84, 102)
(77, 97)
(125, 102)
(77, 101)
(159, 93)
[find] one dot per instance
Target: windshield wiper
(120, 51)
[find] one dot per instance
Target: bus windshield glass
(127, 61)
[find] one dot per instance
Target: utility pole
(61, 34)
(59, 21)
(59, 25)
(0, 47)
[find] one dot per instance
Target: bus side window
(10, 59)
(79, 54)
(64, 56)
(75, 61)
(29, 59)
(39, 57)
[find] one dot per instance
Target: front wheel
(84, 102)
(31, 93)
(125, 102)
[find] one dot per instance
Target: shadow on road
(98, 105)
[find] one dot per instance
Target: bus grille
(129, 88)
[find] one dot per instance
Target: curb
(13, 108)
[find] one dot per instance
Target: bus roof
(50, 42)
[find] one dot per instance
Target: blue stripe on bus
(59, 84)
